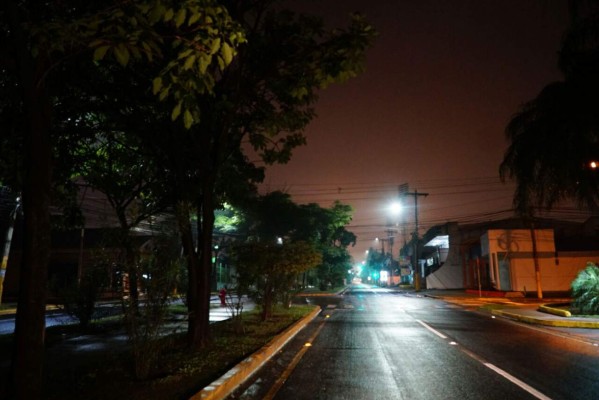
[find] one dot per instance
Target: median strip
(227, 383)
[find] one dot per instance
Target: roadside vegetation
(155, 104)
(94, 364)
(585, 291)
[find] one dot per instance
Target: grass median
(98, 364)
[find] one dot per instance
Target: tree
(39, 36)
(554, 140)
(275, 217)
(265, 97)
(585, 290)
(326, 227)
(114, 164)
(554, 137)
(272, 268)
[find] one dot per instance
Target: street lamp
(395, 208)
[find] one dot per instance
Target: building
(500, 255)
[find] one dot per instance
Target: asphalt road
(377, 344)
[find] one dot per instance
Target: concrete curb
(555, 311)
(566, 323)
(224, 385)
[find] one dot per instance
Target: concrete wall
(515, 246)
(557, 273)
(449, 276)
(558, 269)
(517, 241)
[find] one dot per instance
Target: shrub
(585, 290)
(78, 298)
(159, 269)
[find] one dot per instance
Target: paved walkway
(525, 310)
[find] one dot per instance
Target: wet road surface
(382, 344)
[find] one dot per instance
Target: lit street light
(395, 208)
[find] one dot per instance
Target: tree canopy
(554, 139)
(181, 85)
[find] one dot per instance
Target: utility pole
(415, 237)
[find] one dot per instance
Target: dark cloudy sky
(441, 82)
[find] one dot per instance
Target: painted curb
(555, 311)
(567, 323)
(227, 383)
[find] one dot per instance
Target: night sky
(441, 83)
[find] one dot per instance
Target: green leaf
(100, 52)
(193, 18)
(97, 43)
(187, 119)
(164, 93)
(180, 18)
(227, 53)
(122, 54)
(176, 111)
(204, 63)
(156, 13)
(147, 50)
(189, 62)
(215, 46)
(169, 15)
(156, 85)
(184, 54)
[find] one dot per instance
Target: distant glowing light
(384, 275)
(593, 164)
(395, 208)
(308, 344)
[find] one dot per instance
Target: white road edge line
(436, 332)
(517, 382)
(498, 370)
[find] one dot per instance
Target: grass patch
(101, 368)
(8, 306)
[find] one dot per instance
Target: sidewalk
(524, 310)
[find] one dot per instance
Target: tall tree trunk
(183, 216)
(28, 353)
(201, 335)
(535, 256)
(31, 309)
(267, 302)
